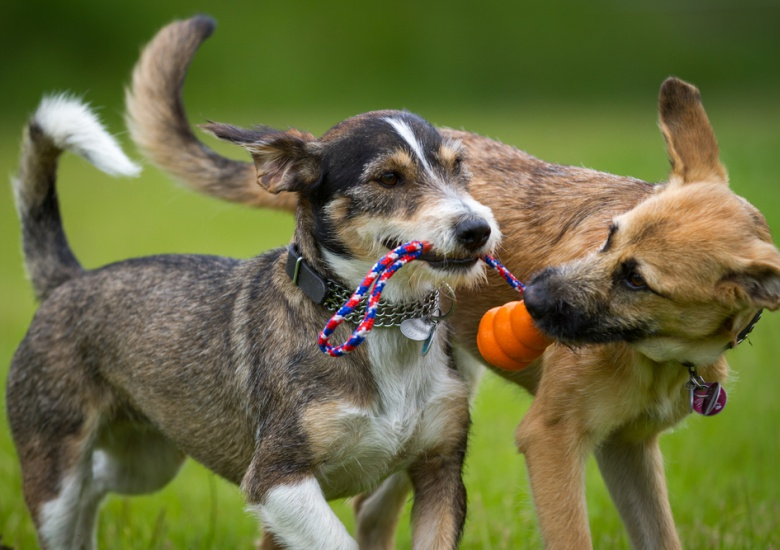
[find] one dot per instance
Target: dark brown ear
(285, 161)
(758, 283)
(690, 140)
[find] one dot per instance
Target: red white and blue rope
(513, 281)
(379, 274)
(378, 277)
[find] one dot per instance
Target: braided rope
(513, 281)
(377, 277)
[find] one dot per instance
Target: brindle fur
(616, 380)
(128, 368)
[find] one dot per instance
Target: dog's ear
(757, 283)
(285, 161)
(690, 140)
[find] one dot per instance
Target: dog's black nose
(537, 296)
(535, 302)
(472, 233)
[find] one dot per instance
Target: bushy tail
(60, 123)
(158, 122)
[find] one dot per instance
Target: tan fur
(193, 161)
(706, 254)
(401, 161)
(452, 152)
(267, 542)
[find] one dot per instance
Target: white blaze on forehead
(406, 132)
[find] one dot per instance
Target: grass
(722, 471)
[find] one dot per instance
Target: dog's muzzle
(471, 234)
(556, 311)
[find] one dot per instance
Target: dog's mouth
(439, 261)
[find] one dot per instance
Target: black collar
(332, 295)
(744, 334)
(304, 277)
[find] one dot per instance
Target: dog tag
(709, 399)
(418, 329)
(429, 340)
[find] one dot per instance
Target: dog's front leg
(555, 450)
(634, 474)
(296, 514)
(439, 509)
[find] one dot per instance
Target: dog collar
(709, 398)
(747, 330)
(332, 295)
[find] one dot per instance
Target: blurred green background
(572, 82)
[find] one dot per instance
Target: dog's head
(682, 274)
(371, 183)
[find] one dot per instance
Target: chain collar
(332, 295)
(388, 315)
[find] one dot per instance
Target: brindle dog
(127, 368)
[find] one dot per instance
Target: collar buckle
(304, 277)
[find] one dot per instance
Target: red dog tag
(709, 399)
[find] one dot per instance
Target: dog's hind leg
(68, 520)
(377, 513)
(55, 444)
(58, 410)
(66, 478)
(634, 474)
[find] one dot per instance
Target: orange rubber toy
(508, 339)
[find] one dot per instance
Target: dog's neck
(332, 295)
(309, 269)
(328, 257)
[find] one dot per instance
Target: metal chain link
(388, 315)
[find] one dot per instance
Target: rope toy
(386, 267)
(378, 277)
(513, 281)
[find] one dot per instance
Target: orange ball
(507, 337)
(524, 328)
(490, 350)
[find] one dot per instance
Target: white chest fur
(419, 403)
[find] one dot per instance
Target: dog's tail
(60, 123)
(158, 122)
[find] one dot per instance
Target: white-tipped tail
(72, 126)
(61, 123)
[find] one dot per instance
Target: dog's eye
(635, 281)
(457, 166)
(389, 179)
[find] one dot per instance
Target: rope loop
(377, 277)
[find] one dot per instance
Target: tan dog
(645, 286)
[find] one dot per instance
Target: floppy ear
(285, 161)
(757, 284)
(690, 140)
